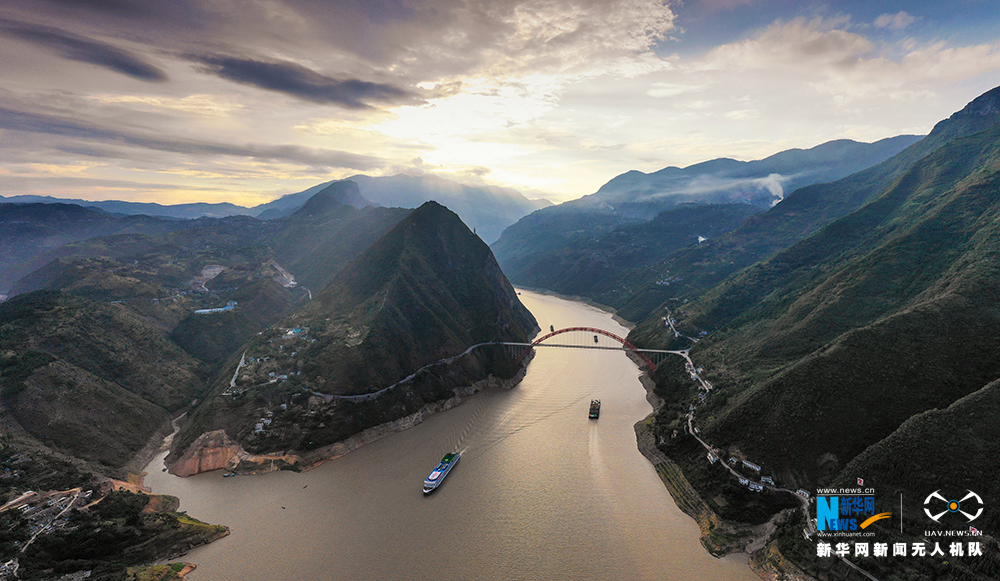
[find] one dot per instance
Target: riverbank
(719, 536)
(215, 451)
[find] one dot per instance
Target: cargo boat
(442, 470)
(595, 409)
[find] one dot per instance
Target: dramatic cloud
(298, 81)
(48, 124)
(554, 96)
(84, 50)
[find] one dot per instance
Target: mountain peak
(984, 105)
(336, 195)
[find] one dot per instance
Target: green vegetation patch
(17, 367)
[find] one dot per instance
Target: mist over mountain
(607, 246)
(486, 209)
(762, 182)
(801, 213)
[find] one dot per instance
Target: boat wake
(491, 424)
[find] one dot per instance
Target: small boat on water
(442, 470)
(595, 409)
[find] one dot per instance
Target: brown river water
(541, 492)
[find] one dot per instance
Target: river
(541, 492)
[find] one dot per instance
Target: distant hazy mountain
(31, 234)
(486, 209)
(763, 182)
(288, 204)
(332, 197)
(182, 211)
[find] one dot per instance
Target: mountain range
(487, 209)
(189, 294)
(852, 332)
(637, 219)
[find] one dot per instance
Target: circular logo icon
(963, 506)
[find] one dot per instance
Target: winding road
(810, 527)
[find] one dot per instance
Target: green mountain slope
(91, 379)
(958, 444)
(831, 345)
(423, 293)
(601, 267)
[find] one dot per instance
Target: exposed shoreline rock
(210, 451)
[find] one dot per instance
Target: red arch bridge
(575, 338)
(590, 338)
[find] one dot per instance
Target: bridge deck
(618, 348)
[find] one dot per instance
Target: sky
(242, 101)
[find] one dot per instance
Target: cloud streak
(15, 120)
(895, 21)
(72, 47)
(298, 81)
